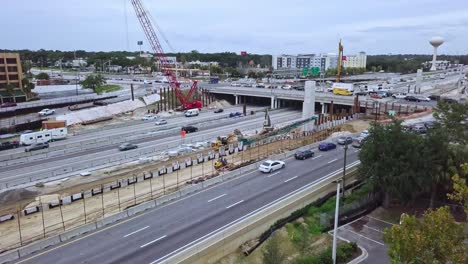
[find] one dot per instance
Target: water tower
(435, 42)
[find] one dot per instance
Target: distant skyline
(261, 27)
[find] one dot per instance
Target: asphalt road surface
(155, 236)
(36, 168)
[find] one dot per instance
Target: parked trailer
(43, 136)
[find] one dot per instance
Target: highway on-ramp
(155, 236)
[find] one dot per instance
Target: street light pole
(337, 206)
(344, 168)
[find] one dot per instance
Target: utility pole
(344, 168)
(335, 230)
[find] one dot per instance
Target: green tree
(436, 238)
(42, 76)
(452, 116)
(273, 253)
(460, 189)
(10, 89)
(27, 85)
(391, 162)
(93, 81)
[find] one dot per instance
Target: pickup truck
(46, 112)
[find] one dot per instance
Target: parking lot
(367, 232)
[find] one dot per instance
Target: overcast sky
(256, 26)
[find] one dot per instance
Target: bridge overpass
(279, 97)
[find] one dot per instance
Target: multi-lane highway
(155, 236)
(37, 168)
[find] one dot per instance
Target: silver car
(37, 146)
(345, 140)
(160, 122)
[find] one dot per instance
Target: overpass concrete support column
(237, 99)
(308, 107)
(324, 108)
(273, 102)
(277, 103)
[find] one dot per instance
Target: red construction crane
(159, 54)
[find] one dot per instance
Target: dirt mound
(219, 104)
(13, 196)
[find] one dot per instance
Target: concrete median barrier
(111, 219)
(141, 207)
(17, 161)
(55, 153)
(9, 256)
(167, 198)
(77, 231)
(34, 247)
(37, 157)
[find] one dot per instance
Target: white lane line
(234, 204)
(151, 242)
(333, 160)
(134, 232)
(217, 197)
(273, 174)
(383, 221)
(371, 228)
(290, 179)
(191, 245)
(357, 150)
(364, 237)
(317, 157)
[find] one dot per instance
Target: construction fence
(50, 215)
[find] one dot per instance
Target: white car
(399, 95)
(149, 117)
(46, 112)
(271, 165)
(160, 122)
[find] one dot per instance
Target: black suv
(304, 154)
(189, 129)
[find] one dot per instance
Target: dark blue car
(327, 146)
(236, 114)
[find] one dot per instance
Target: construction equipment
(225, 140)
(220, 163)
(185, 100)
(267, 126)
(340, 59)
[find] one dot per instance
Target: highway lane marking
(134, 232)
(133, 218)
(234, 204)
(255, 212)
(371, 228)
(217, 197)
(333, 160)
(273, 174)
(151, 242)
(159, 208)
(317, 157)
(80, 160)
(290, 179)
(370, 239)
(383, 221)
(357, 150)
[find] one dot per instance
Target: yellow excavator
(225, 140)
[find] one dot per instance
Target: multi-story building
(300, 61)
(11, 76)
(355, 61)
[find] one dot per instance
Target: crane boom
(150, 33)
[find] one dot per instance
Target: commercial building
(289, 64)
(11, 76)
(355, 61)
